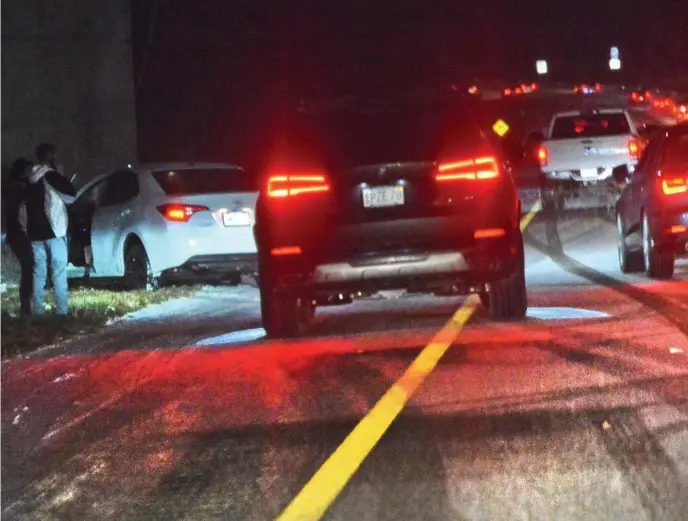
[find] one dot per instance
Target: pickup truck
(579, 152)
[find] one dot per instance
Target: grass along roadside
(89, 310)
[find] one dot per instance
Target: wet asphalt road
(580, 412)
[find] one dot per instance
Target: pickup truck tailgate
(587, 153)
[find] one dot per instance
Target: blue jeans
(53, 251)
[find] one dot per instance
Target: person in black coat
(17, 240)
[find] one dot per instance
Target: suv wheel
(508, 296)
(285, 316)
(629, 261)
(657, 265)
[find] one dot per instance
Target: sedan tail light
(674, 185)
(477, 169)
(180, 212)
(633, 148)
(295, 184)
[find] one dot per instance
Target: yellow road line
(527, 218)
(323, 488)
(329, 480)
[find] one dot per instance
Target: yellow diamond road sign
(500, 127)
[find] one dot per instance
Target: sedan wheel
(137, 272)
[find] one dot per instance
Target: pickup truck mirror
(621, 174)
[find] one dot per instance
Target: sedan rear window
(590, 125)
(204, 181)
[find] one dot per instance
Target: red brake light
(633, 149)
(675, 185)
(480, 168)
(543, 156)
(180, 212)
(635, 96)
(507, 92)
(286, 250)
(489, 233)
(294, 184)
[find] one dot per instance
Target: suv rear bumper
(459, 272)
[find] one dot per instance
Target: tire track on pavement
(554, 250)
(637, 450)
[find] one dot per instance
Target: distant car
(641, 96)
(165, 222)
(588, 88)
(521, 88)
(681, 108)
(652, 212)
(406, 193)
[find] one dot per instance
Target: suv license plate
(382, 196)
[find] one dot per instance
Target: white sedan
(165, 222)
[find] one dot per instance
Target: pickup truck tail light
(180, 213)
(476, 169)
(289, 185)
(674, 185)
(543, 155)
(633, 148)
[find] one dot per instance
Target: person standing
(43, 215)
(17, 239)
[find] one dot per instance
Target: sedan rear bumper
(214, 267)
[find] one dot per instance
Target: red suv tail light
(543, 155)
(477, 169)
(295, 184)
(674, 185)
(180, 212)
(633, 148)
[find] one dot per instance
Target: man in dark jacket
(17, 240)
(44, 218)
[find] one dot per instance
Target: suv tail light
(180, 212)
(674, 185)
(633, 148)
(290, 185)
(478, 169)
(543, 155)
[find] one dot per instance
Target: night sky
(209, 71)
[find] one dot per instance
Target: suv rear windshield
(590, 125)
(204, 181)
(676, 152)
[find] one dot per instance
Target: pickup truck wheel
(629, 261)
(657, 265)
(285, 316)
(508, 296)
(552, 203)
(485, 298)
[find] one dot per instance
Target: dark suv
(652, 212)
(365, 195)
